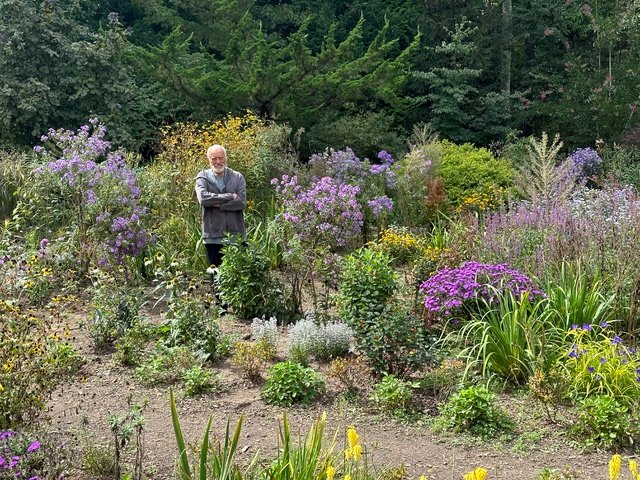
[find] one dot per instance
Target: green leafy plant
(289, 382)
(473, 410)
(191, 323)
(244, 282)
(166, 365)
(197, 380)
(393, 395)
(98, 458)
(130, 348)
(387, 333)
(252, 357)
(599, 363)
(604, 421)
(116, 310)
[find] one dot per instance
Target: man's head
(217, 156)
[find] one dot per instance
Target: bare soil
(80, 408)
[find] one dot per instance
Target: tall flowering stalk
(83, 172)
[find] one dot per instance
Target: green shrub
(387, 333)
(130, 348)
(245, 283)
(393, 395)
(473, 410)
(366, 284)
(605, 422)
(115, 312)
(198, 380)
(191, 323)
(289, 382)
(252, 357)
(467, 170)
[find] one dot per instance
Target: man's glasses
(217, 158)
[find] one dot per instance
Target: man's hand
(235, 196)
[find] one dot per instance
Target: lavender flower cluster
(449, 289)
(587, 162)
(104, 186)
(326, 213)
(343, 165)
(15, 457)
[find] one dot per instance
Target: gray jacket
(221, 214)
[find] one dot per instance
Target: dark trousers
(214, 254)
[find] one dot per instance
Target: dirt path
(103, 389)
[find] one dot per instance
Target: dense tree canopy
(476, 70)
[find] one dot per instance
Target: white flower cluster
(265, 329)
(306, 339)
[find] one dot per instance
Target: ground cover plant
(441, 315)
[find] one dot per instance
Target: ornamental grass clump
(452, 290)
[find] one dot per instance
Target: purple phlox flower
(385, 157)
(604, 324)
(603, 360)
(574, 326)
(35, 445)
(591, 369)
(616, 340)
(586, 327)
(380, 204)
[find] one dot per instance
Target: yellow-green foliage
(400, 244)
(473, 174)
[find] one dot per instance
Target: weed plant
(393, 395)
(166, 365)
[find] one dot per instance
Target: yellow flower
(633, 468)
(357, 451)
(469, 476)
(614, 467)
(331, 472)
(347, 477)
(480, 474)
(422, 477)
(352, 437)
(347, 454)
(1, 388)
